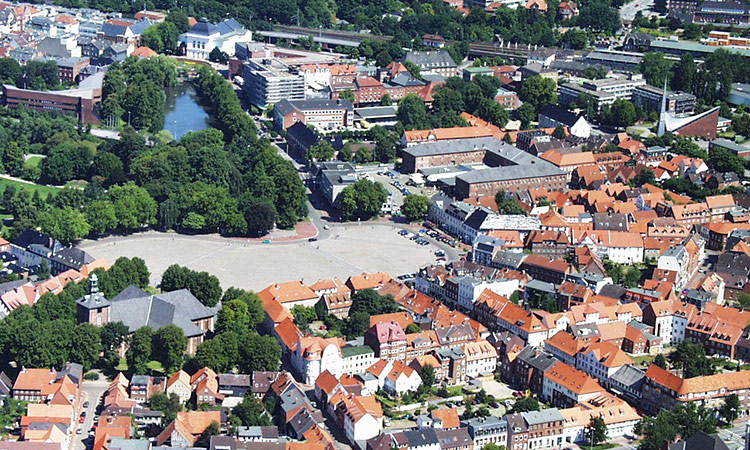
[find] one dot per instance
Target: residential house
(566, 386)
(186, 429)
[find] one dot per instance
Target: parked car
(495, 404)
(86, 404)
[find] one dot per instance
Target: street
(630, 9)
(92, 392)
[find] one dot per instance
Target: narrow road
(92, 391)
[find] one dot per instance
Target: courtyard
(348, 250)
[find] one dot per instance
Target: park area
(255, 265)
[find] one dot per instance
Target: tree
(645, 176)
(655, 68)
(218, 56)
(492, 446)
(596, 431)
(660, 361)
(412, 328)
(101, 216)
(347, 94)
(427, 374)
(722, 160)
(251, 413)
(599, 17)
(576, 39)
(731, 408)
(259, 353)
(362, 200)
(205, 287)
(260, 219)
(303, 315)
(691, 359)
(255, 309)
(685, 420)
(43, 273)
(85, 345)
(413, 69)
(112, 335)
(383, 59)
(559, 132)
(526, 114)
(180, 20)
(621, 114)
(539, 92)
(508, 204)
(692, 32)
(134, 206)
(139, 352)
(385, 100)
(65, 224)
(211, 430)
(525, 404)
(322, 151)
(684, 73)
(169, 346)
(412, 113)
(685, 147)
(415, 207)
(170, 405)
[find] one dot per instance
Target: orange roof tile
(573, 379)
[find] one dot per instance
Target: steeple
(663, 112)
(93, 285)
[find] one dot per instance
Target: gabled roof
(573, 379)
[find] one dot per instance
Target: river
(183, 111)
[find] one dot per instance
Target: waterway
(184, 113)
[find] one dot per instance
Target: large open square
(348, 251)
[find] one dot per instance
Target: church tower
(93, 308)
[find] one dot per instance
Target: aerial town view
(375, 225)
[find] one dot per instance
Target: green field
(33, 162)
(44, 191)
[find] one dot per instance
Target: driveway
(92, 393)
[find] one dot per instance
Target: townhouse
(481, 358)
(566, 386)
(664, 390)
(601, 360)
(535, 429)
(669, 319)
(619, 417)
(487, 430)
(388, 340)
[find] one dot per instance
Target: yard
(32, 162)
(44, 191)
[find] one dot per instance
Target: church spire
(663, 111)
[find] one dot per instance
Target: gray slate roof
(433, 59)
(136, 308)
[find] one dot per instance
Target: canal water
(183, 111)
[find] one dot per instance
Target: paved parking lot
(350, 250)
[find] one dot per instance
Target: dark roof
(700, 441)
(72, 257)
(136, 308)
(559, 114)
(303, 134)
(74, 371)
(31, 237)
(6, 385)
(418, 438)
(458, 438)
(431, 59)
(235, 379)
(612, 291)
(610, 221)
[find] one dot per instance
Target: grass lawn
(602, 446)
(155, 366)
(44, 191)
(3, 228)
(643, 359)
(32, 162)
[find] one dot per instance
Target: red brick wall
(706, 126)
